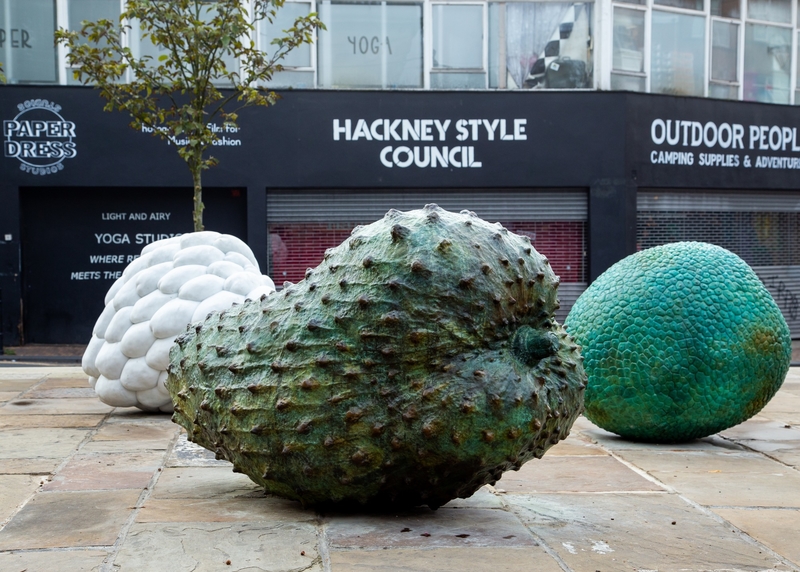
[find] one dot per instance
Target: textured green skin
(387, 375)
(680, 341)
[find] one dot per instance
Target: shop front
(588, 176)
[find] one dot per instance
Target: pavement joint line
(32, 387)
(763, 453)
(706, 511)
(49, 476)
(98, 548)
(539, 540)
(323, 549)
(752, 507)
(108, 562)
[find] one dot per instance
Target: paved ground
(87, 487)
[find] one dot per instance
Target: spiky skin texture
(417, 363)
(681, 341)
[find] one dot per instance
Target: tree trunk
(197, 212)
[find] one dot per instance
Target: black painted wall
(603, 142)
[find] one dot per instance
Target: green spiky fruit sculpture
(417, 363)
(681, 341)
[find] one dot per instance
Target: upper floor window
(540, 45)
(383, 44)
(26, 41)
(731, 49)
(298, 64)
(370, 44)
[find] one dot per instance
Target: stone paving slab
(106, 471)
(15, 490)
(57, 406)
(69, 519)
(722, 479)
(558, 474)
(53, 561)
(208, 547)
(35, 442)
(776, 528)
(484, 497)
(49, 421)
(462, 559)
(637, 532)
(424, 528)
(37, 466)
(785, 406)
(14, 385)
(203, 483)
(56, 382)
(224, 509)
(187, 454)
(88, 487)
(39, 392)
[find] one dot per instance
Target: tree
(178, 95)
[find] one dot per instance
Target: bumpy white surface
(174, 282)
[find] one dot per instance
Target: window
(723, 83)
(143, 46)
(80, 11)
(370, 44)
(685, 4)
(767, 60)
(457, 51)
(26, 41)
(628, 50)
(725, 8)
(299, 63)
(540, 45)
(677, 56)
(797, 85)
(779, 11)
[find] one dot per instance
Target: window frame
(313, 67)
(428, 46)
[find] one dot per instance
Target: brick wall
(297, 246)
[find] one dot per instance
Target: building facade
(525, 112)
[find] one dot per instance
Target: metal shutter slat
(369, 206)
(709, 201)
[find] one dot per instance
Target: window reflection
(724, 60)
(547, 45)
(370, 45)
(779, 11)
(26, 40)
(285, 19)
(767, 60)
(677, 55)
(628, 40)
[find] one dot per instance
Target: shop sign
(39, 137)
(725, 145)
(450, 143)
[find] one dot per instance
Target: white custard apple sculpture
(175, 281)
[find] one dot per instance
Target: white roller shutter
(345, 208)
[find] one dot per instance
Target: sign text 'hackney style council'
(712, 144)
(449, 139)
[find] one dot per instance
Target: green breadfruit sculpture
(680, 341)
(417, 363)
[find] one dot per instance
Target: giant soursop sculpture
(681, 341)
(418, 362)
(175, 281)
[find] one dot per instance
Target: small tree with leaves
(177, 94)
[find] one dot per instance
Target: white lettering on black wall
(452, 155)
(711, 144)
